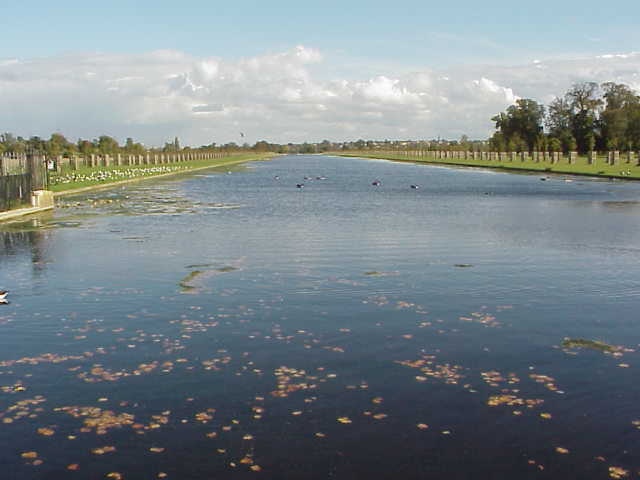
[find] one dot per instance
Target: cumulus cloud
(279, 96)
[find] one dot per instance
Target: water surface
(225, 325)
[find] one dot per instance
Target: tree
(261, 146)
(307, 148)
(36, 144)
(107, 145)
(129, 145)
(58, 145)
(558, 119)
(85, 147)
(584, 103)
(497, 142)
(12, 144)
(554, 145)
(521, 124)
(324, 146)
(615, 120)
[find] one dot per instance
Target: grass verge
(84, 179)
(622, 170)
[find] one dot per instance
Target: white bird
(3, 295)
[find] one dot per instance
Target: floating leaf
(618, 472)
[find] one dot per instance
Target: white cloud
(280, 96)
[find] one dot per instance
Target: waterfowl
(299, 185)
(3, 296)
(376, 183)
(415, 186)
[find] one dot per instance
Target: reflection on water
(30, 242)
(232, 325)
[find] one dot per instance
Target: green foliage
(554, 145)
(618, 117)
(588, 116)
(107, 145)
(521, 124)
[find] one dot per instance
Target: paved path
(19, 212)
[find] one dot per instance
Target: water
(231, 325)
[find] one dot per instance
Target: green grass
(580, 167)
(69, 180)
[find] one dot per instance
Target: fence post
(630, 156)
(37, 172)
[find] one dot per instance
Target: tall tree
(615, 120)
(58, 145)
(85, 147)
(521, 124)
(107, 145)
(585, 102)
(559, 122)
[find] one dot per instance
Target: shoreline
(26, 211)
(558, 170)
(100, 186)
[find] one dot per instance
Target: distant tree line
(588, 117)
(58, 145)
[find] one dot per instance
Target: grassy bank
(580, 167)
(76, 181)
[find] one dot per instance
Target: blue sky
(411, 33)
(351, 69)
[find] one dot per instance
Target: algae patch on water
(192, 282)
(185, 283)
(375, 273)
(597, 345)
(226, 269)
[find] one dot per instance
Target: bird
(299, 185)
(3, 296)
(414, 186)
(376, 183)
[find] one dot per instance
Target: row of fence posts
(122, 160)
(609, 158)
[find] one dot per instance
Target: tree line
(58, 145)
(587, 117)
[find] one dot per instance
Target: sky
(286, 71)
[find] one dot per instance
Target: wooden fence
(19, 176)
(76, 162)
